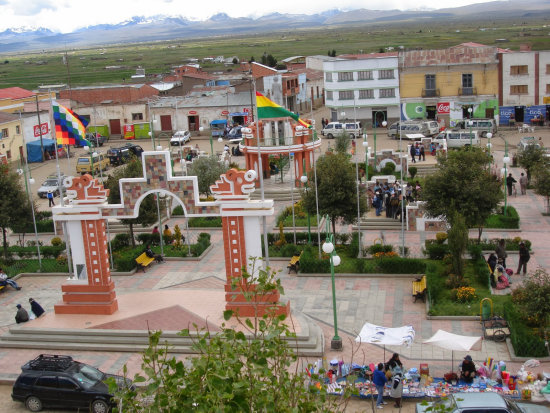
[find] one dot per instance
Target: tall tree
(541, 175)
(148, 212)
(463, 183)
(208, 171)
(14, 203)
(337, 190)
(530, 157)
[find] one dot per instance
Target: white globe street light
(328, 247)
(303, 179)
(336, 260)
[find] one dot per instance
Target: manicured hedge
(510, 221)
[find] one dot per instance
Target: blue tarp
(219, 122)
(34, 150)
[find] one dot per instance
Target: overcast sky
(67, 15)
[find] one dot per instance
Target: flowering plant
(465, 294)
(385, 254)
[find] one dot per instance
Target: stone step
(308, 342)
(378, 223)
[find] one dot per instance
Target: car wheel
(329, 136)
(99, 406)
(33, 403)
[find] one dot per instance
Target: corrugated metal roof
(132, 85)
(15, 93)
(235, 99)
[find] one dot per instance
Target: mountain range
(155, 28)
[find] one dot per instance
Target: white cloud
(65, 15)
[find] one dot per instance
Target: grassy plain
(88, 66)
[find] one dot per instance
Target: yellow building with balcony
(11, 138)
(13, 99)
(444, 84)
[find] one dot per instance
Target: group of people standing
(391, 372)
(418, 151)
(500, 274)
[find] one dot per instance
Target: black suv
(135, 149)
(119, 156)
(60, 381)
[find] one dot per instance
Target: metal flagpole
(292, 184)
(316, 197)
(261, 174)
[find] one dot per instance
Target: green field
(87, 66)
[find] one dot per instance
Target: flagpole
(62, 203)
(261, 174)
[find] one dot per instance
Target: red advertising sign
(225, 112)
(129, 132)
(247, 110)
(43, 126)
(443, 108)
(192, 112)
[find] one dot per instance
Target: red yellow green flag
(269, 109)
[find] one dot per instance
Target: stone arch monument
(92, 291)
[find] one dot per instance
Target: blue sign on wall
(504, 114)
(534, 111)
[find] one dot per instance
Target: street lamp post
(328, 248)
(303, 178)
(92, 153)
(28, 182)
(489, 145)
(384, 124)
(470, 124)
(506, 161)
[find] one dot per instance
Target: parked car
(181, 137)
(59, 381)
(481, 125)
(119, 156)
(88, 163)
(425, 127)
(50, 184)
(235, 133)
(488, 402)
(457, 138)
(335, 129)
(134, 149)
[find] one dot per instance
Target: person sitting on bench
(4, 280)
(149, 252)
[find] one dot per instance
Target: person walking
(510, 181)
(379, 379)
(413, 153)
(523, 183)
(36, 308)
(51, 203)
(500, 251)
(524, 257)
(21, 316)
(422, 152)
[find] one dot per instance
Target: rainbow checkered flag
(70, 128)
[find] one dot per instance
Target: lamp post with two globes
(303, 179)
(328, 248)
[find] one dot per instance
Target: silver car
(181, 137)
(51, 184)
(487, 402)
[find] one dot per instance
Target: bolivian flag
(269, 109)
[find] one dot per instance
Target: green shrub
(301, 237)
(510, 221)
(412, 171)
(525, 342)
(436, 251)
(309, 263)
(120, 241)
(373, 249)
(148, 239)
(56, 241)
(205, 222)
(475, 251)
(389, 169)
(178, 210)
(289, 250)
(354, 245)
(398, 265)
(441, 237)
(125, 260)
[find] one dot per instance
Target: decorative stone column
(92, 290)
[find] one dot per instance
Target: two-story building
(12, 99)
(446, 83)
(11, 137)
(362, 87)
(524, 85)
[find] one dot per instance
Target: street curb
(360, 275)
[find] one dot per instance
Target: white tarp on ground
(452, 341)
(397, 336)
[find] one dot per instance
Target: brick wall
(122, 94)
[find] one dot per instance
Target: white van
(481, 125)
(457, 138)
(334, 129)
(424, 127)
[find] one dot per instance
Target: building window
(467, 80)
(547, 88)
(17, 129)
(518, 89)
(548, 69)
(345, 76)
(5, 133)
(364, 75)
(329, 95)
(366, 94)
(137, 116)
(430, 82)
(328, 77)
(385, 74)
(345, 95)
(519, 70)
(8, 154)
(387, 93)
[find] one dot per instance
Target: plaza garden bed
(13, 267)
(199, 222)
(500, 221)
(124, 256)
(437, 248)
(300, 217)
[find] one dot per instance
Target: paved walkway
(380, 300)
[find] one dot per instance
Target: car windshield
(83, 160)
(86, 376)
(50, 182)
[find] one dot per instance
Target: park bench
(294, 263)
(143, 261)
(2, 288)
(419, 289)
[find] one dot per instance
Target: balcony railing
(430, 93)
(467, 91)
(292, 91)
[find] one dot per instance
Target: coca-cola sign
(443, 108)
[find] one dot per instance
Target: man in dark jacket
(379, 379)
(36, 308)
(524, 257)
(22, 316)
(468, 371)
(510, 181)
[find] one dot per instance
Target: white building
(363, 87)
(524, 85)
